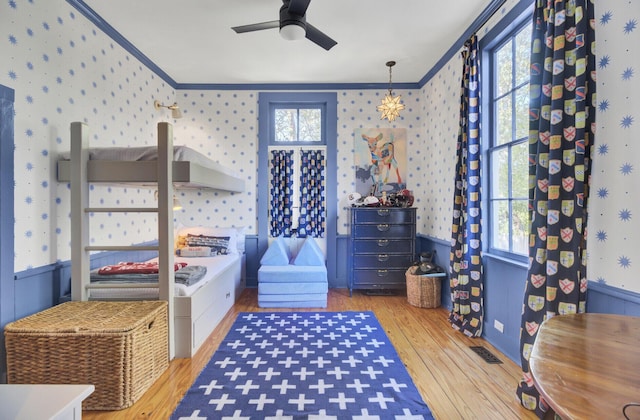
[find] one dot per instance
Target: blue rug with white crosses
(304, 365)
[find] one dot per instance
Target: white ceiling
(193, 43)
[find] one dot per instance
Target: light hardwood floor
(454, 381)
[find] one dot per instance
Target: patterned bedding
(147, 273)
(214, 266)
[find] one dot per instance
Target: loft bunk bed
(192, 315)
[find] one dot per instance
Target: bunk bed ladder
(80, 214)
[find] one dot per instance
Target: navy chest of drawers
(382, 247)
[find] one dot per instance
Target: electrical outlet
(498, 325)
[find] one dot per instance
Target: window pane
(522, 112)
(500, 224)
(508, 148)
(499, 174)
(310, 125)
(504, 120)
(285, 124)
(520, 227)
(504, 69)
(523, 53)
(520, 170)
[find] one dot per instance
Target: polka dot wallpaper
(614, 208)
(63, 69)
(441, 111)
(223, 126)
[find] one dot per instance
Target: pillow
(232, 233)
(240, 239)
(219, 245)
(194, 251)
(277, 253)
(309, 254)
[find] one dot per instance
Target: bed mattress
(145, 153)
(215, 266)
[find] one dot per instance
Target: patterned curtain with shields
(466, 247)
(280, 212)
(561, 135)
(312, 202)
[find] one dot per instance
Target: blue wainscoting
(36, 289)
(252, 260)
(43, 287)
(611, 300)
(40, 288)
(342, 263)
(504, 284)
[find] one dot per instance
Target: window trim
(330, 100)
(8, 304)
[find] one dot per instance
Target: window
(297, 150)
(327, 102)
(508, 147)
(297, 124)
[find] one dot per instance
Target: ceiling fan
(293, 24)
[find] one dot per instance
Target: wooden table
(587, 366)
(31, 402)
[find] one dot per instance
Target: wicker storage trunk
(423, 291)
(120, 347)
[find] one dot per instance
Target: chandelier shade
(391, 106)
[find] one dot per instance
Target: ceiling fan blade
(257, 26)
(319, 37)
(298, 7)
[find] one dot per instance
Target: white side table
(40, 402)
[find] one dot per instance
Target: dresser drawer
(382, 260)
(383, 230)
(379, 279)
(383, 215)
(383, 246)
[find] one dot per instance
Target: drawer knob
(382, 273)
(383, 257)
(383, 227)
(383, 242)
(383, 212)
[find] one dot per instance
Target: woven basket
(120, 347)
(423, 291)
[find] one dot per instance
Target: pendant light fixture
(391, 105)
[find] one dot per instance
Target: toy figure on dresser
(403, 198)
(371, 201)
(383, 199)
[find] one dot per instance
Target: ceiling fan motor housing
(287, 18)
